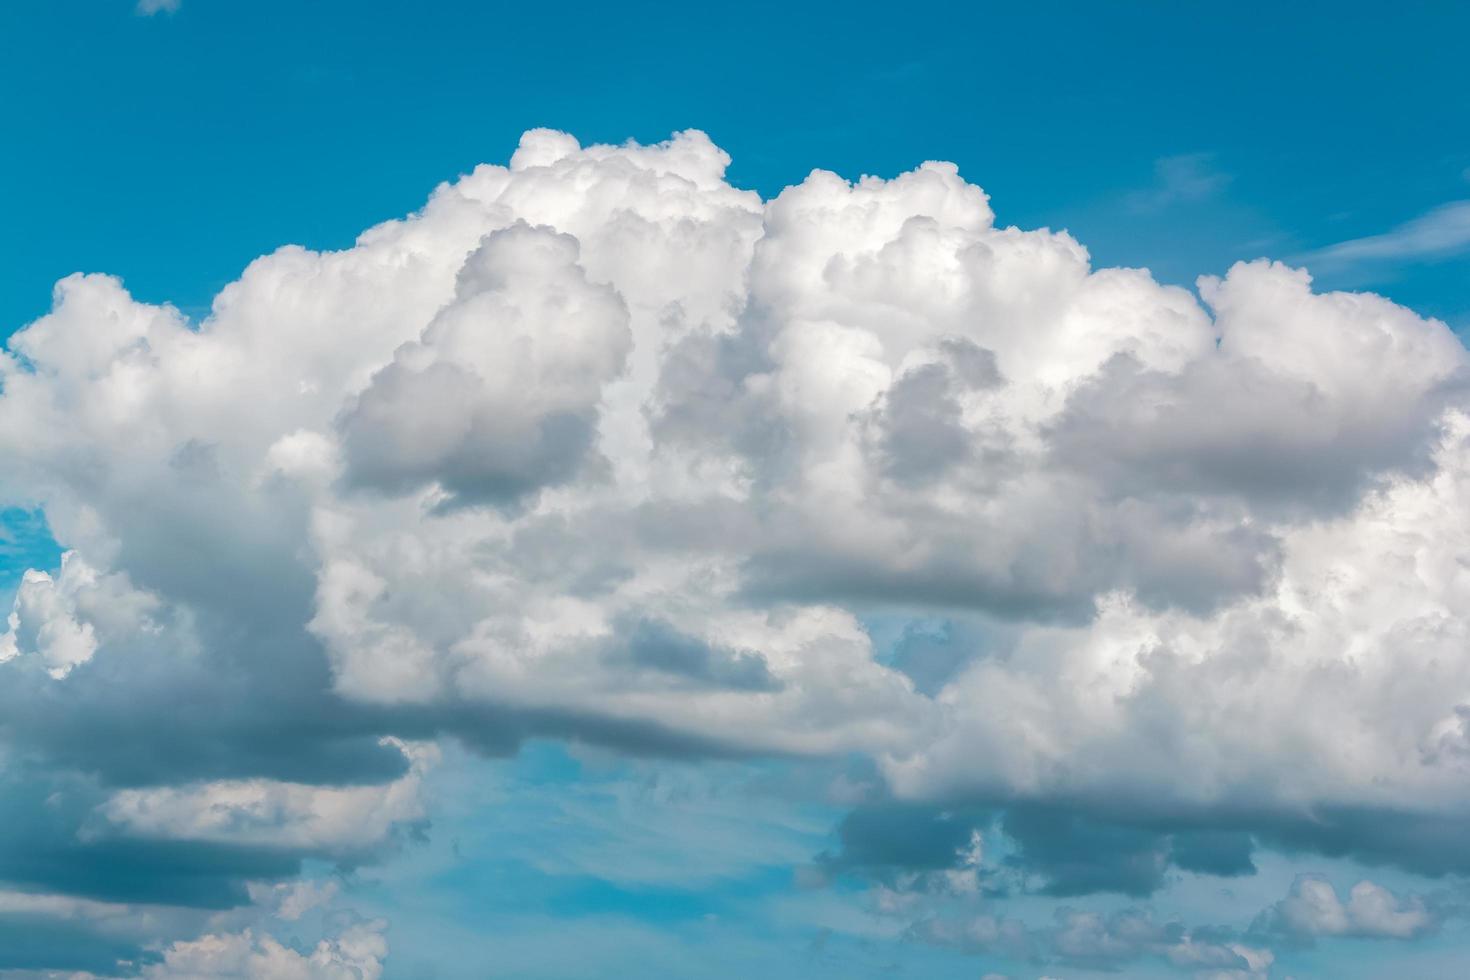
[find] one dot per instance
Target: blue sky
(173, 149)
(609, 662)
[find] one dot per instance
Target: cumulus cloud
(1108, 943)
(1056, 850)
(267, 813)
(596, 445)
(56, 619)
(1313, 909)
(1094, 940)
(499, 398)
(357, 953)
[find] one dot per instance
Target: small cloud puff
(1312, 909)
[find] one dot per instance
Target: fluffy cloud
(1107, 943)
(1344, 660)
(1312, 909)
(1088, 938)
(56, 619)
(598, 446)
(356, 954)
(499, 398)
(267, 813)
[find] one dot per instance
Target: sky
(968, 490)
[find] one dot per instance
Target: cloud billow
(596, 445)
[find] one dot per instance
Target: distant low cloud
(1313, 909)
(1107, 943)
(147, 8)
(357, 953)
(1443, 231)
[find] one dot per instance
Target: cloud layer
(598, 446)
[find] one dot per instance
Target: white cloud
(147, 8)
(122, 924)
(270, 813)
(57, 619)
(598, 445)
(357, 953)
(1105, 943)
(1445, 230)
(55, 906)
(293, 899)
(500, 397)
(1313, 908)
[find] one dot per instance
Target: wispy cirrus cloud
(1440, 232)
(1180, 179)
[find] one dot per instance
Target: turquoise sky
(172, 149)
